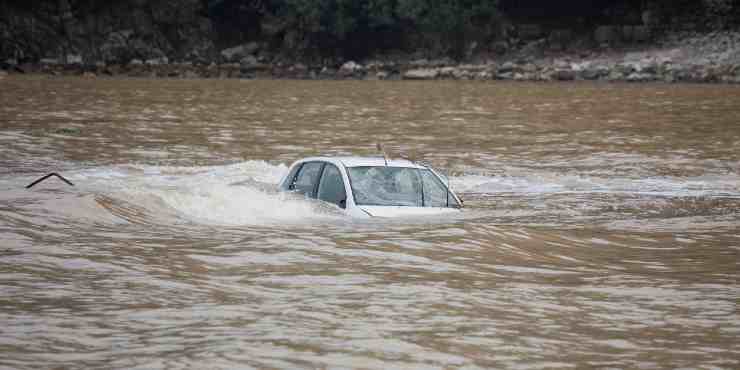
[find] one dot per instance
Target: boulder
(74, 59)
(327, 72)
(505, 68)
(483, 75)
(615, 75)
(504, 76)
(420, 63)
(594, 72)
(562, 64)
(236, 53)
(447, 72)
(49, 61)
(529, 68)
(421, 74)
(247, 62)
(157, 61)
(350, 68)
(641, 77)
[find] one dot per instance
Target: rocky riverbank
(703, 58)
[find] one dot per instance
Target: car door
(306, 181)
(331, 186)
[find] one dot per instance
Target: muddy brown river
(601, 227)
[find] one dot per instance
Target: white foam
(543, 182)
(236, 194)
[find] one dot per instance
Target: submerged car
(372, 187)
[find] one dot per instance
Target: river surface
(601, 228)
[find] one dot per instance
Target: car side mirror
(343, 204)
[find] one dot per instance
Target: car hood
(396, 211)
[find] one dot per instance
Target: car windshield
(398, 186)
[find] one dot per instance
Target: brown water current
(601, 228)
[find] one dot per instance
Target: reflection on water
(600, 228)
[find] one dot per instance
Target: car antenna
(379, 146)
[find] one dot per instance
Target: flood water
(601, 227)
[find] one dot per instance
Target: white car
(372, 187)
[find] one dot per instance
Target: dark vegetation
(315, 29)
(355, 28)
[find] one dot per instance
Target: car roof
(348, 161)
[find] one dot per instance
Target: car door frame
(294, 178)
(343, 175)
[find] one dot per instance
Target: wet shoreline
(420, 70)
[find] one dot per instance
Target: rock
(483, 75)
(236, 53)
(649, 67)
(615, 75)
(157, 61)
(641, 77)
(420, 63)
(328, 72)
(505, 76)
(248, 62)
(448, 72)
(89, 75)
(529, 68)
(594, 72)
(462, 74)
(625, 68)
(564, 75)
(381, 75)
(421, 74)
(561, 64)
(3, 74)
(506, 68)
(350, 69)
(534, 49)
(74, 59)
(49, 61)
(136, 62)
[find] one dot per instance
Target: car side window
(308, 175)
(435, 193)
(331, 186)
